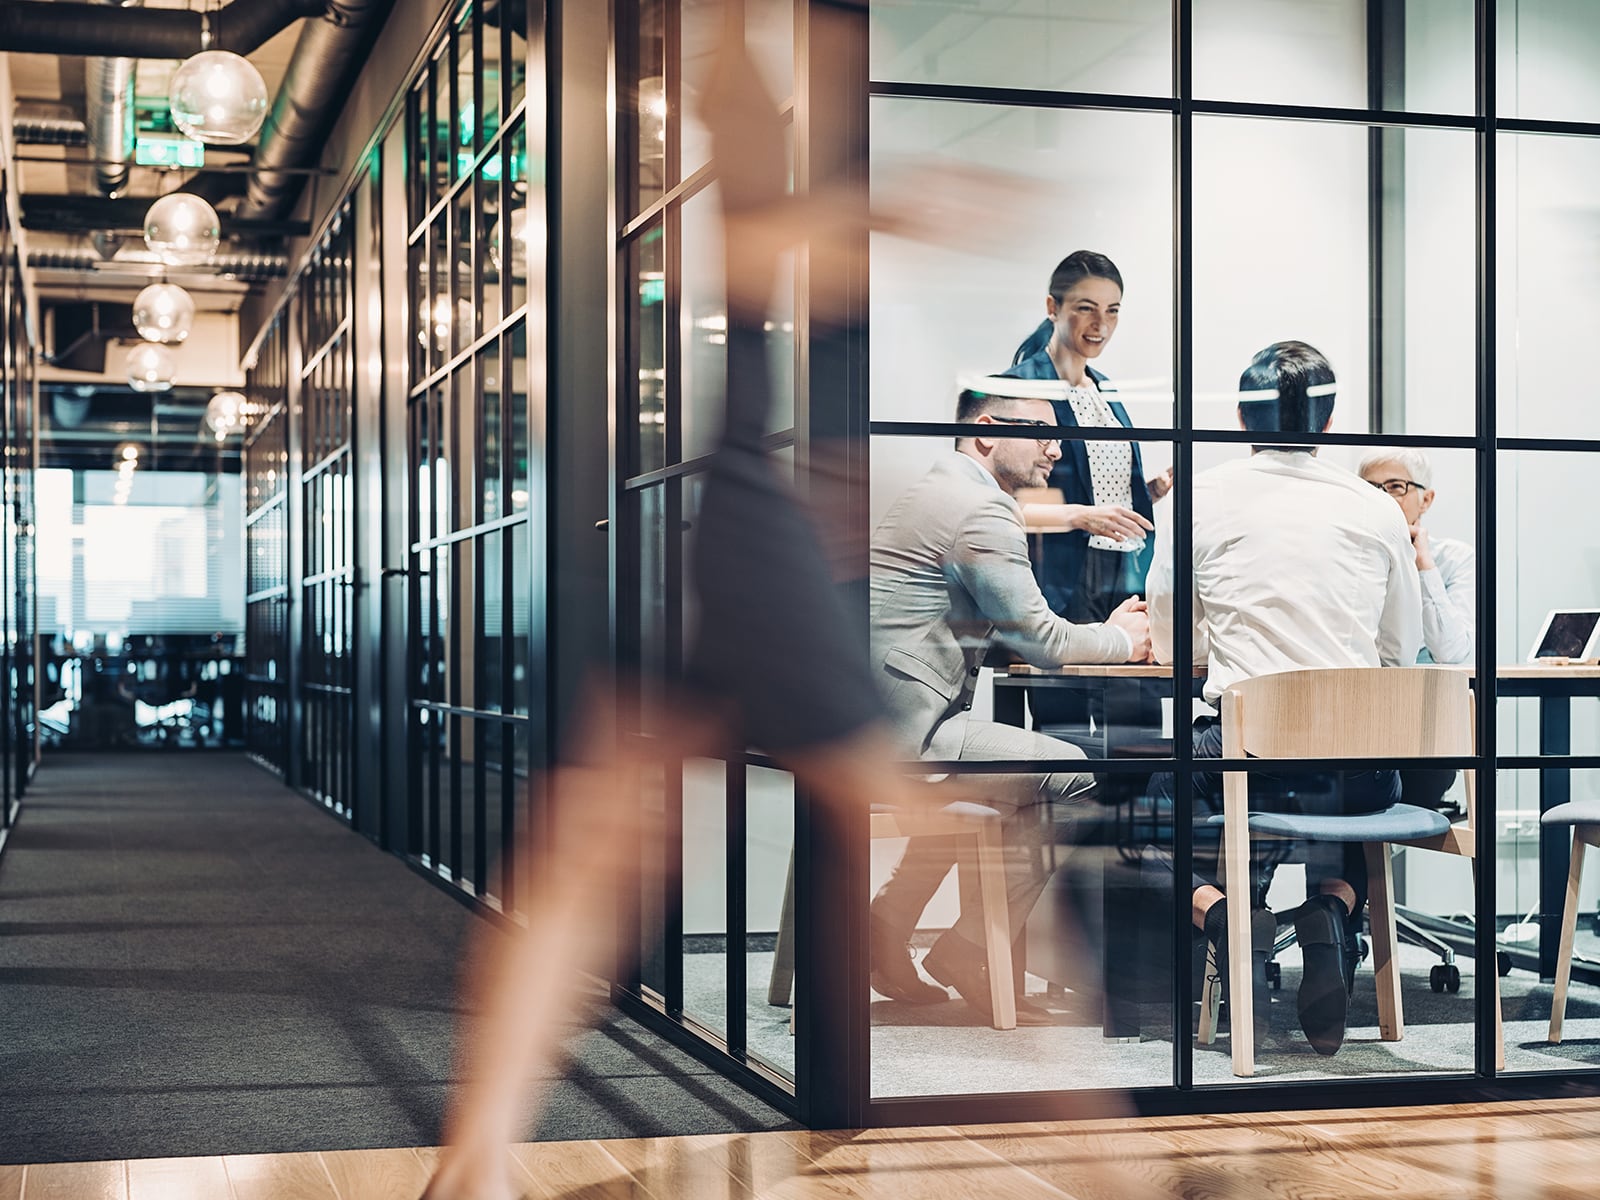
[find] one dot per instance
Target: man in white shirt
(1298, 564)
(950, 575)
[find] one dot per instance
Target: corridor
(195, 960)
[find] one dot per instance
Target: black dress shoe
(1324, 1000)
(957, 963)
(894, 972)
(1263, 932)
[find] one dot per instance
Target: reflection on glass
(521, 643)
(1423, 232)
(646, 345)
(488, 366)
(703, 321)
(515, 381)
(939, 315)
(1064, 45)
(465, 251)
(516, 246)
(464, 129)
(1551, 869)
(705, 892)
(652, 648)
(1547, 49)
(492, 678)
(440, 126)
(769, 916)
(516, 64)
(643, 102)
(1546, 302)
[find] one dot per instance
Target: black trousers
(1315, 793)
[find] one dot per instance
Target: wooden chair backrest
(1363, 712)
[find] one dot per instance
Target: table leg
(1010, 705)
(1555, 787)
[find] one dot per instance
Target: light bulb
(225, 413)
(652, 116)
(218, 97)
(163, 312)
(182, 230)
(519, 243)
(151, 368)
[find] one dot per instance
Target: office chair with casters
(979, 825)
(1377, 712)
(1584, 817)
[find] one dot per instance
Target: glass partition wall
(1399, 185)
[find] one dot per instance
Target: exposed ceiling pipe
(326, 61)
(247, 267)
(42, 123)
(92, 30)
(108, 115)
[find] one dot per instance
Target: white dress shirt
(1449, 603)
(1110, 463)
(1298, 564)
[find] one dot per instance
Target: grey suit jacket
(950, 574)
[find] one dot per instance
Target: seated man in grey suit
(950, 575)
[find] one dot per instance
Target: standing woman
(1107, 513)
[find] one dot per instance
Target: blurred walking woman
(1108, 505)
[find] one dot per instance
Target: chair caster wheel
(1445, 977)
(1502, 962)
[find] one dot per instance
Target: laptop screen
(1567, 635)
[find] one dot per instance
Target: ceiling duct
(43, 123)
(95, 31)
(108, 115)
(78, 334)
(247, 267)
(326, 62)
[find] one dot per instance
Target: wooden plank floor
(1515, 1151)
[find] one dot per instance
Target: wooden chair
(980, 825)
(1584, 817)
(1380, 712)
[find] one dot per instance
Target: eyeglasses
(1398, 488)
(1044, 441)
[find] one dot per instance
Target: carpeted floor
(194, 960)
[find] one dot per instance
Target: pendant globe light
(225, 414)
(151, 368)
(163, 312)
(182, 230)
(219, 98)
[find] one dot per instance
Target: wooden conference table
(1553, 686)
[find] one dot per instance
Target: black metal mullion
(736, 901)
(1182, 528)
(1484, 850)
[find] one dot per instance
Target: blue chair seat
(1397, 823)
(1576, 812)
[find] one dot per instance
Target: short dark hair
(1069, 272)
(1291, 370)
(972, 404)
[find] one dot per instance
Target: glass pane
(652, 634)
(442, 125)
(1055, 45)
(421, 152)
(464, 412)
(647, 350)
(769, 36)
(769, 915)
(1547, 51)
(1423, 231)
(522, 584)
(492, 71)
(653, 808)
(515, 240)
(464, 127)
(1535, 896)
(466, 310)
(491, 669)
(1547, 303)
(940, 314)
(492, 260)
(642, 122)
(699, 35)
(1291, 52)
(705, 892)
(516, 377)
(493, 452)
(516, 60)
(703, 321)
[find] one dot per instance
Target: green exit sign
(168, 152)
